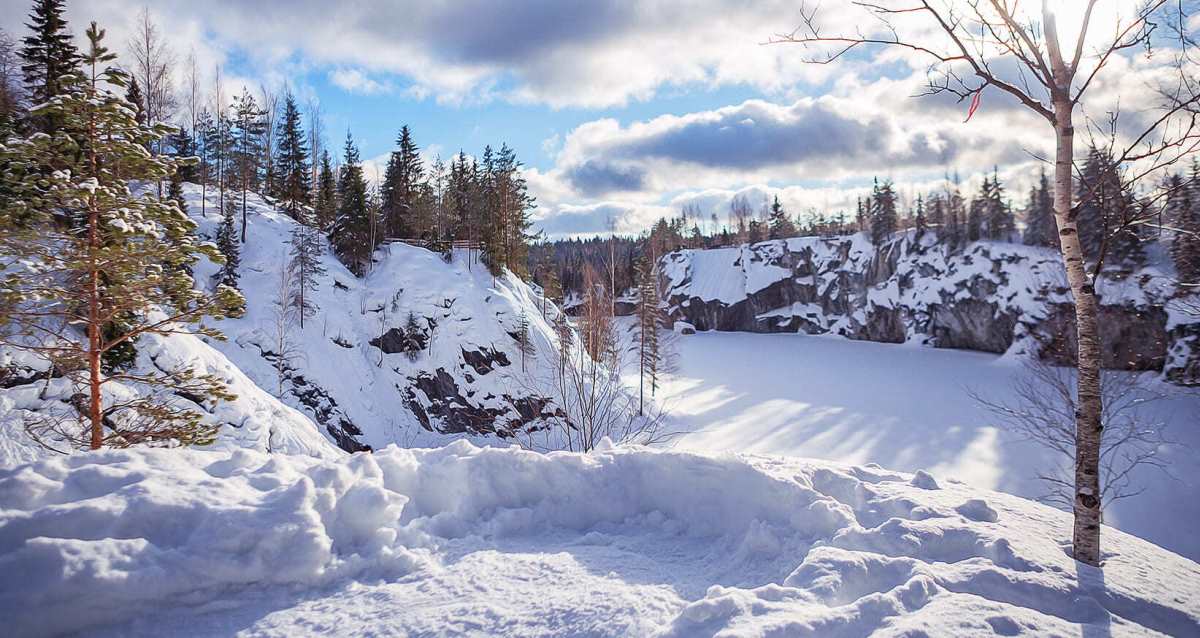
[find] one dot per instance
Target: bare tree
(1002, 45)
(10, 78)
(583, 379)
(316, 136)
(153, 63)
(284, 317)
(269, 98)
(1043, 411)
(193, 93)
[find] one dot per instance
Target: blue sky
(619, 109)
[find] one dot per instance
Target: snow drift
(489, 541)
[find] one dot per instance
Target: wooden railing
(436, 245)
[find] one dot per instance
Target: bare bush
(1043, 411)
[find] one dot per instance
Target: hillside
(357, 372)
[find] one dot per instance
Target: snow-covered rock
(990, 296)
(492, 541)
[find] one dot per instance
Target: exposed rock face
(438, 402)
(988, 296)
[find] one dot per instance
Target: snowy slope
(466, 381)
(909, 408)
(488, 541)
(348, 382)
(254, 420)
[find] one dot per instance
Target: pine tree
(227, 244)
(883, 212)
(780, 224)
(125, 254)
(291, 161)
(49, 56)
(306, 245)
(325, 204)
(1040, 227)
(248, 126)
(351, 233)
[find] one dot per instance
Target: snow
(473, 312)
(494, 541)
(253, 420)
(907, 408)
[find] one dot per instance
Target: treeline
(1115, 224)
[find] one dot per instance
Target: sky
(620, 110)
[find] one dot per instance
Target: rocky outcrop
(988, 296)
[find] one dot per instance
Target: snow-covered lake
(904, 408)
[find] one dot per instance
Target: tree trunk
(1086, 537)
(93, 333)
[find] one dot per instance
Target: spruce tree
(998, 219)
(1105, 204)
(978, 212)
(126, 257)
(175, 190)
(1040, 227)
(351, 230)
(935, 214)
(325, 204)
(49, 57)
(524, 344)
(780, 224)
(134, 96)
(919, 221)
(227, 244)
(306, 249)
(291, 161)
(1183, 215)
(883, 212)
(401, 189)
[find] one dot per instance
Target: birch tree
(979, 46)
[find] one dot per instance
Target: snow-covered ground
(489, 541)
(906, 408)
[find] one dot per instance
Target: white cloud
(355, 81)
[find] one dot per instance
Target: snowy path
(904, 408)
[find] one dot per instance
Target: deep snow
(906, 408)
(490, 541)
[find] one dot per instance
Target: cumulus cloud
(355, 81)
